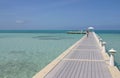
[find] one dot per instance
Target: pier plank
(85, 60)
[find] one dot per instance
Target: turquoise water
(24, 54)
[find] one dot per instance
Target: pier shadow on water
(51, 37)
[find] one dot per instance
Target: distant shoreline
(54, 31)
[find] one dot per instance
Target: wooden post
(103, 45)
(101, 41)
(112, 52)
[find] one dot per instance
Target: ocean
(25, 52)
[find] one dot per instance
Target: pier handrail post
(112, 52)
(100, 40)
(103, 45)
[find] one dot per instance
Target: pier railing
(109, 57)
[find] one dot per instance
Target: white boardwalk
(84, 61)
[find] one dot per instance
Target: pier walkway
(84, 60)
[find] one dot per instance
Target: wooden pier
(85, 59)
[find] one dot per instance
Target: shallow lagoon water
(24, 54)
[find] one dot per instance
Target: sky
(59, 14)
